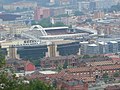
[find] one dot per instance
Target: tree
(54, 83)
(62, 15)
(86, 56)
(58, 24)
(105, 77)
(45, 22)
(8, 81)
(59, 68)
(38, 85)
(116, 74)
(2, 59)
(78, 13)
(65, 65)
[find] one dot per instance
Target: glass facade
(68, 49)
(32, 52)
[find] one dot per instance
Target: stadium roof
(55, 28)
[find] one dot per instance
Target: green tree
(65, 65)
(59, 68)
(39, 85)
(58, 24)
(78, 13)
(45, 22)
(8, 81)
(86, 56)
(116, 74)
(2, 59)
(105, 77)
(62, 15)
(54, 83)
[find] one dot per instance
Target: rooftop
(113, 42)
(48, 72)
(92, 45)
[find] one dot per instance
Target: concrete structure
(83, 47)
(52, 50)
(103, 48)
(92, 49)
(46, 42)
(113, 46)
(12, 53)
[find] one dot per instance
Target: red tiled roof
(110, 67)
(115, 59)
(81, 69)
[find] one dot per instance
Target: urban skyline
(66, 44)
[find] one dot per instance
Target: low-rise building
(116, 87)
(20, 65)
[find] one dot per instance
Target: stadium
(40, 42)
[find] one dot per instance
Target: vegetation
(2, 59)
(58, 24)
(86, 56)
(62, 15)
(47, 23)
(9, 81)
(38, 85)
(105, 77)
(78, 13)
(116, 74)
(59, 68)
(65, 65)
